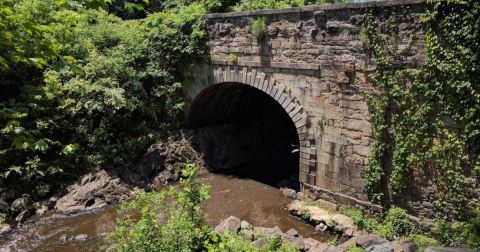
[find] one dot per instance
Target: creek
(247, 199)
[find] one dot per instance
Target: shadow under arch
(249, 126)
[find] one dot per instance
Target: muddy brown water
(255, 202)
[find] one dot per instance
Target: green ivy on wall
(427, 120)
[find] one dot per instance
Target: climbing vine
(426, 120)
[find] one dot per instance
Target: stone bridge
(313, 65)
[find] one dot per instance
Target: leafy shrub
(233, 242)
(422, 241)
(169, 220)
(396, 224)
(362, 221)
(247, 5)
(173, 220)
(98, 91)
(354, 248)
(259, 28)
(460, 233)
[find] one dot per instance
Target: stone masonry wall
(318, 54)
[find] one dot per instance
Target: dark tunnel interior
(244, 132)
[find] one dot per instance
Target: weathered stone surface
(244, 225)
(319, 215)
(22, 216)
(260, 242)
(366, 241)
(230, 224)
(4, 228)
(319, 57)
(22, 204)
(406, 246)
(435, 249)
(384, 247)
(93, 191)
(248, 234)
(313, 245)
(261, 232)
(293, 238)
(289, 193)
(81, 237)
(41, 210)
(63, 238)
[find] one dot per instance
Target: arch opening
(243, 131)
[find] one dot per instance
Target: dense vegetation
(81, 88)
(173, 220)
(395, 224)
(426, 120)
(87, 84)
(244, 5)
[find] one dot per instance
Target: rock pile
(259, 236)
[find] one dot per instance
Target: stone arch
(279, 92)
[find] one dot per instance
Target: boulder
(318, 215)
(230, 224)
(22, 216)
(63, 238)
(260, 242)
(94, 190)
(81, 237)
(384, 247)
(322, 227)
(150, 163)
(435, 249)
(22, 204)
(264, 232)
(42, 210)
(406, 246)
(293, 238)
(313, 245)
(289, 193)
(51, 203)
(292, 232)
(244, 225)
(4, 228)
(248, 234)
(369, 240)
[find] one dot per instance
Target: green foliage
(361, 220)
(426, 121)
(397, 224)
(173, 220)
(460, 233)
(332, 242)
(354, 248)
(234, 58)
(247, 5)
(17, 31)
(259, 28)
(422, 241)
(105, 90)
(234, 242)
(169, 220)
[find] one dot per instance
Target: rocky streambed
(252, 201)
